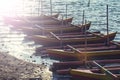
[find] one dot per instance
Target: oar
(56, 38)
(71, 47)
(42, 28)
(78, 51)
(107, 72)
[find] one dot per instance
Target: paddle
(43, 29)
(107, 72)
(56, 38)
(78, 51)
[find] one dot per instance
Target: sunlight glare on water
(96, 13)
(13, 41)
(7, 6)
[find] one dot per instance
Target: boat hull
(92, 75)
(27, 22)
(44, 40)
(55, 29)
(91, 55)
(8, 20)
(81, 64)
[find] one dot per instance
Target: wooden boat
(96, 69)
(83, 64)
(7, 19)
(72, 34)
(58, 30)
(44, 48)
(42, 17)
(52, 21)
(89, 73)
(55, 40)
(92, 74)
(102, 52)
(101, 74)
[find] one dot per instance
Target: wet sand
(12, 68)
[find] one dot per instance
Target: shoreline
(12, 68)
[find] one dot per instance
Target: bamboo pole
(61, 32)
(23, 6)
(83, 20)
(39, 7)
(85, 58)
(85, 37)
(66, 10)
(51, 7)
(107, 26)
(83, 17)
(89, 3)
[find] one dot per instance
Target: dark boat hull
(43, 40)
(81, 64)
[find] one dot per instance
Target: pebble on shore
(12, 68)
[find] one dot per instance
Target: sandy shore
(12, 68)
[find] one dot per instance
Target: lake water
(13, 41)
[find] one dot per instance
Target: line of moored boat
(82, 54)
